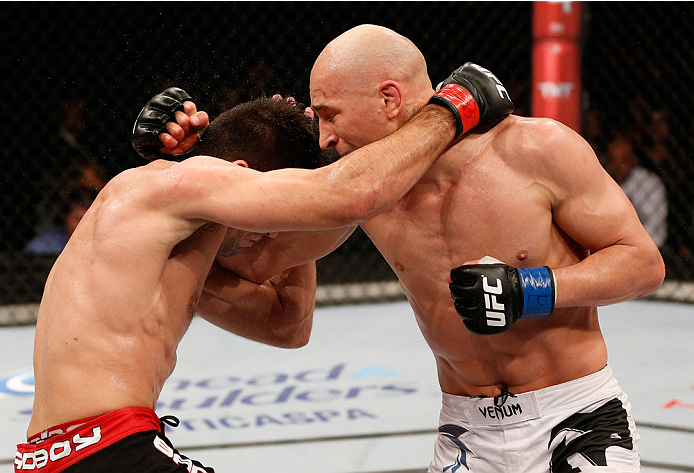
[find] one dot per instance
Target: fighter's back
(503, 193)
(118, 300)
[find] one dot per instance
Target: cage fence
(76, 75)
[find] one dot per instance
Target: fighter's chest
(482, 212)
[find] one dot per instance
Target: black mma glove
(152, 121)
(475, 96)
(491, 297)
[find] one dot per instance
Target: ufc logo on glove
(495, 317)
(518, 293)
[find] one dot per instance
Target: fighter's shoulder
(543, 140)
(151, 187)
(532, 133)
(132, 175)
(131, 182)
(172, 178)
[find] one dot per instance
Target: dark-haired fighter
(531, 193)
(123, 291)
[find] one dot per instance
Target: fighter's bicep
(207, 188)
(287, 199)
(597, 214)
(590, 207)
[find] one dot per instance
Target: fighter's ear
(391, 94)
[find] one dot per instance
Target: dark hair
(266, 133)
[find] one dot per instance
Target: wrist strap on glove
(539, 294)
(461, 103)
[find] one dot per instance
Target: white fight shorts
(584, 425)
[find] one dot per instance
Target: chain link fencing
(77, 74)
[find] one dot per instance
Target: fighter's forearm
(277, 312)
(353, 190)
(269, 257)
(380, 174)
(614, 274)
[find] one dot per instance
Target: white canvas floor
(363, 396)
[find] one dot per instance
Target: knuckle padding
(167, 105)
(153, 118)
(177, 94)
(462, 276)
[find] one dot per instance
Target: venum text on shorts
(518, 409)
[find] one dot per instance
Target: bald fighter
(524, 376)
(122, 293)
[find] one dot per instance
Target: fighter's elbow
(292, 323)
(292, 336)
(357, 192)
(653, 273)
(364, 200)
(648, 269)
(297, 341)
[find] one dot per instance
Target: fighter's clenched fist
(491, 296)
(475, 96)
(167, 124)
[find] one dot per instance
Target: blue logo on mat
(375, 372)
(19, 383)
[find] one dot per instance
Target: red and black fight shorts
(125, 440)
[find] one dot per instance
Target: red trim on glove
(464, 102)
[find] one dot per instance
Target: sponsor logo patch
(515, 409)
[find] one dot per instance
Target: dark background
(112, 57)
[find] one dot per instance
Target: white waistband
(532, 404)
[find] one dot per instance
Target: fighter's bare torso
(485, 197)
(497, 193)
(118, 301)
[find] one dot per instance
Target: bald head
(368, 54)
(367, 82)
